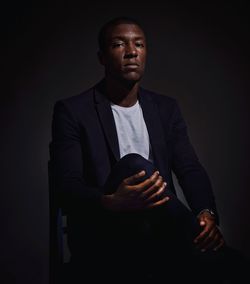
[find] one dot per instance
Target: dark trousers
(155, 245)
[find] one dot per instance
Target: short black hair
(102, 36)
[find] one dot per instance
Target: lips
(132, 64)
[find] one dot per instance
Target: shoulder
(78, 101)
(76, 105)
(166, 106)
(161, 100)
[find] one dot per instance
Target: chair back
(56, 230)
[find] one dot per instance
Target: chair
(57, 233)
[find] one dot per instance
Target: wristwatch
(211, 212)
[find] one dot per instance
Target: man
(114, 148)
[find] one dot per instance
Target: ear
(101, 57)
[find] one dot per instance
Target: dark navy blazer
(85, 147)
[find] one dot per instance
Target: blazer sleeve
(190, 174)
(66, 157)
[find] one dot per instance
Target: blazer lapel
(152, 120)
(107, 121)
(155, 130)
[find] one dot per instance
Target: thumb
(202, 223)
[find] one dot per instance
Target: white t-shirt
(131, 130)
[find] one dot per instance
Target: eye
(139, 44)
(117, 44)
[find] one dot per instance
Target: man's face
(124, 56)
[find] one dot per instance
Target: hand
(210, 238)
(134, 195)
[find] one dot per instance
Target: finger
(208, 239)
(154, 188)
(133, 179)
(211, 241)
(205, 231)
(160, 202)
(214, 242)
(201, 236)
(221, 244)
(157, 195)
(142, 186)
(205, 239)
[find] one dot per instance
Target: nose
(130, 51)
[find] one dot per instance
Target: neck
(122, 93)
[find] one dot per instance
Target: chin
(132, 78)
(129, 81)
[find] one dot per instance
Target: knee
(133, 158)
(136, 163)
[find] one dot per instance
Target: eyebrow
(125, 38)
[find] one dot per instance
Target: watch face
(211, 212)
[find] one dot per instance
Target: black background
(198, 53)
